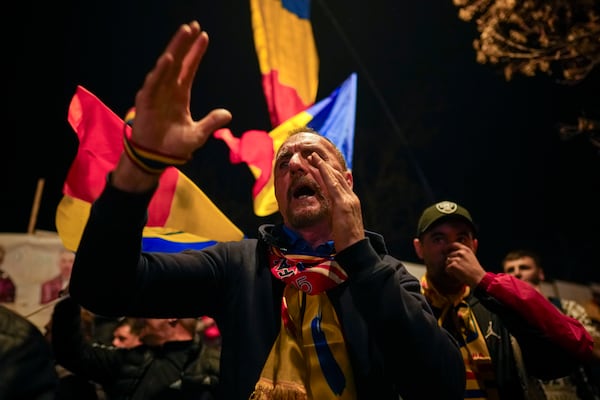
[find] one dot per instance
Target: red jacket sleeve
(532, 306)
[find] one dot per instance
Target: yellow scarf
(309, 359)
(481, 381)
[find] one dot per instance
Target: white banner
(31, 260)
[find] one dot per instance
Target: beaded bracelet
(150, 161)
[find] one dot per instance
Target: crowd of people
(158, 359)
(313, 307)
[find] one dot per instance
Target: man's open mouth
(303, 191)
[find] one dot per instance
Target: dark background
(432, 124)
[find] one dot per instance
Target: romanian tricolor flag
(180, 215)
(287, 56)
(333, 117)
(289, 65)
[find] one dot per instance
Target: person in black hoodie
(314, 307)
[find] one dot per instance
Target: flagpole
(36, 206)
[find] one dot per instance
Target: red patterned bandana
(310, 274)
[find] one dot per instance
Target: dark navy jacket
(395, 345)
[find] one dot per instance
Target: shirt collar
(298, 245)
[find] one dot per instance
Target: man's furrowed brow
(284, 154)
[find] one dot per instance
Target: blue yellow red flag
(287, 56)
(289, 66)
(333, 117)
(180, 215)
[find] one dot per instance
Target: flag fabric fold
(180, 215)
(289, 65)
(333, 117)
(287, 55)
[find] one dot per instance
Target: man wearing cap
(508, 331)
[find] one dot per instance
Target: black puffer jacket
(26, 364)
(143, 372)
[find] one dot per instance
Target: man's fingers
(154, 78)
(192, 60)
(179, 49)
(183, 40)
(206, 126)
(332, 178)
(214, 120)
(169, 64)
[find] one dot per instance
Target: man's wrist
(129, 177)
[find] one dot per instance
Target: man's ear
(418, 248)
(475, 245)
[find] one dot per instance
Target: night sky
(432, 124)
